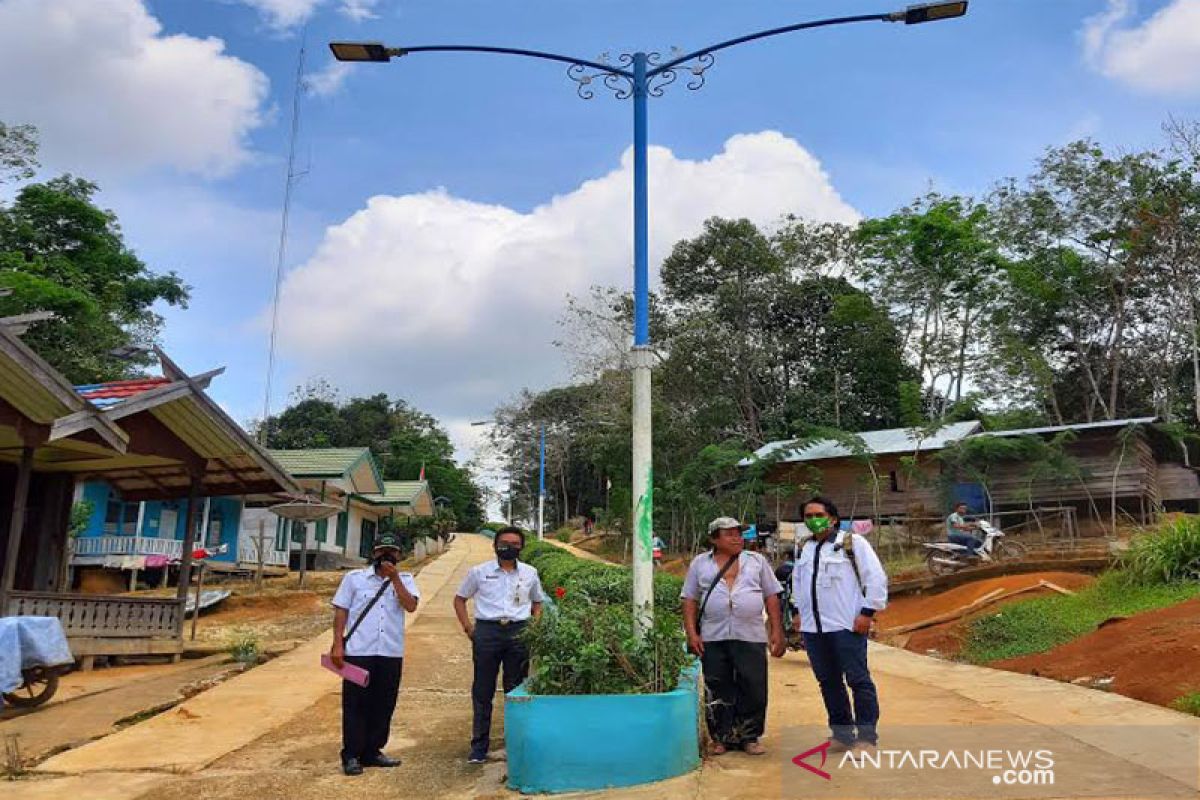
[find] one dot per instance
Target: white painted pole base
(643, 492)
(541, 516)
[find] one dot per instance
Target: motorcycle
(943, 558)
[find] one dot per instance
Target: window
(112, 516)
(299, 529)
(366, 541)
(120, 519)
(343, 527)
(281, 542)
(215, 523)
(894, 480)
(323, 530)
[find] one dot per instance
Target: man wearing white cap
(725, 594)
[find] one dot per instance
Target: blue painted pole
(643, 473)
(542, 486)
(641, 235)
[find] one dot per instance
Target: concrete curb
(230, 716)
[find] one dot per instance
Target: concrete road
(233, 750)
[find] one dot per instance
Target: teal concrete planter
(562, 743)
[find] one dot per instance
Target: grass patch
(1040, 624)
(1188, 704)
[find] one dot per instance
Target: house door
(973, 495)
(168, 522)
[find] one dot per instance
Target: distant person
(725, 594)
(376, 599)
(750, 538)
(959, 531)
(657, 547)
(838, 584)
(507, 594)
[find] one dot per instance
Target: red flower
(560, 592)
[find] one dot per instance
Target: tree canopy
(60, 252)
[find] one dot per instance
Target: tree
(59, 252)
(937, 265)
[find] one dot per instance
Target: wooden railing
(102, 616)
(127, 546)
(248, 556)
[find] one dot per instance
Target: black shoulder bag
(708, 594)
(366, 611)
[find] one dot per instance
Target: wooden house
(894, 472)
(166, 442)
(901, 473)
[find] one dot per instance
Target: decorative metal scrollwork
(586, 76)
(698, 67)
(617, 81)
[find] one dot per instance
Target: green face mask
(818, 525)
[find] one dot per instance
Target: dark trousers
(367, 711)
(966, 540)
(839, 659)
(494, 646)
(735, 673)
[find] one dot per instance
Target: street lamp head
(929, 12)
(361, 51)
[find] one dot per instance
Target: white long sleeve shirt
(825, 589)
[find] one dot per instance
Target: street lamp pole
(639, 76)
(542, 486)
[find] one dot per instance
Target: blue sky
(450, 202)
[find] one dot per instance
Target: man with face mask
(368, 632)
(838, 583)
(507, 594)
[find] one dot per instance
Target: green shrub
(1043, 623)
(1171, 553)
(1188, 704)
(564, 534)
(585, 642)
(244, 646)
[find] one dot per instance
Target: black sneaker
(351, 767)
(477, 758)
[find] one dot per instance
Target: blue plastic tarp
(30, 642)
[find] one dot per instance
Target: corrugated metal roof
(1081, 426)
(107, 395)
(397, 493)
(892, 440)
(321, 462)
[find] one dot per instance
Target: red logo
(823, 749)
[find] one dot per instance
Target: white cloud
(283, 14)
(359, 10)
(327, 81)
(111, 93)
(452, 303)
(1161, 54)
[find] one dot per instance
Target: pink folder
(348, 671)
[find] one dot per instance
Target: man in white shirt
(838, 584)
(371, 602)
(507, 594)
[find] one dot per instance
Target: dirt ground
(946, 640)
(1152, 656)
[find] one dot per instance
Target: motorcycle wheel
(935, 566)
(1011, 551)
(40, 685)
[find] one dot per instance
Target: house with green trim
(346, 477)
